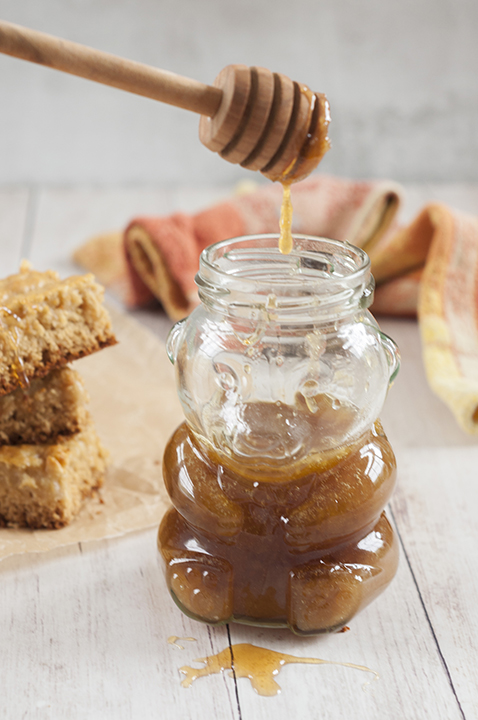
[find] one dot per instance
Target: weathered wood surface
(84, 629)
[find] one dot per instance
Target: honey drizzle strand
(17, 367)
(310, 154)
(286, 242)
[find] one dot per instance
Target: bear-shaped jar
(279, 475)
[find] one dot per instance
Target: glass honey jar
(279, 475)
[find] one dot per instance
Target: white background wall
(401, 77)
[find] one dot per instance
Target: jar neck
(319, 281)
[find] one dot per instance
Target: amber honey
(11, 322)
(258, 664)
(300, 543)
(286, 241)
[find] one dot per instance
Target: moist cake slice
(43, 486)
(46, 322)
(45, 408)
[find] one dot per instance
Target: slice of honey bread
(46, 322)
(43, 485)
(45, 408)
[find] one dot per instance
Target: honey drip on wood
(258, 664)
(173, 640)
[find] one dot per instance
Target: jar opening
(318, 275)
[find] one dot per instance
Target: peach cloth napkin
(429, 268)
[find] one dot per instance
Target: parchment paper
(135, 407)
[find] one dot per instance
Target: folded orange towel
(431, 265)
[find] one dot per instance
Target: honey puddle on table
(258, 664)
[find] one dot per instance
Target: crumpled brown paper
(135, 408)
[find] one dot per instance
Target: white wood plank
(85, 635)
(13, 223)
(435, 507)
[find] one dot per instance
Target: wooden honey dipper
(251, 116)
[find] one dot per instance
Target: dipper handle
(102, 67)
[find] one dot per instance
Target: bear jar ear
(174, 340)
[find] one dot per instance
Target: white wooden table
(84, 629)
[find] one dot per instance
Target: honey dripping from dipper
(269, 123)
(307, 157)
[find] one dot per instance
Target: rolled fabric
(434, 263)
(162, 253)
(448, 312)
(398, 296)
(404, 251)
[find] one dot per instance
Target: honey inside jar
(303, 545)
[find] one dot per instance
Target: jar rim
(318, 273)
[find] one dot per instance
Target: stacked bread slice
(50, 455)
